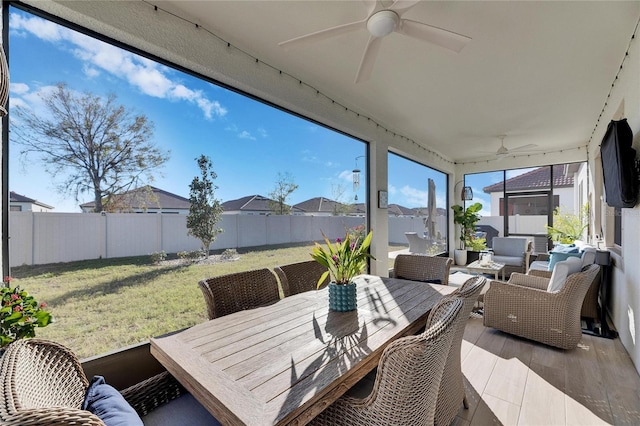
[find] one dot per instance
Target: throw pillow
(109, 405)
(556, 257)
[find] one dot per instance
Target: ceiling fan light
(382, 23)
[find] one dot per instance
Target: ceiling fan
(503, 151)
(380, 22)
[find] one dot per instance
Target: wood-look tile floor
(513, 381)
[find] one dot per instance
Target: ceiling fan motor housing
(383, 23)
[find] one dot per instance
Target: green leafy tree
(205, 210)
(96, 145)
(283, 189)
(568, 227)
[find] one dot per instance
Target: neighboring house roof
(398, 210)
(319, 205)
(17, 198)
(250, 203)
(422, 211)
(359, 208)
(141, 199)
(535, 179)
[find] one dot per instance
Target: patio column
(379, 217)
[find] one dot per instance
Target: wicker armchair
(231, 293)
(300, 277)
(589, 307)
(43, 384)
(407, 380)
(523, 307)
(421, 267)
(451, 394)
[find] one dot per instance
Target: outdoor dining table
(286, 362)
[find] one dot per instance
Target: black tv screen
(618, 165)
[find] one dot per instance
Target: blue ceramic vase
(342, 297)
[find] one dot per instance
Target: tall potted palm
(466, 219)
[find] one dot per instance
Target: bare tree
(98, 146)
(341, 207)
(205, 209)
(284, 187)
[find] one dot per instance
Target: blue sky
(248, 141)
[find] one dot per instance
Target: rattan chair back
(300, 277)
(236, 292)
(42, 381)
(422, 267)
(43, 384)
(451, 395)
(408, 377)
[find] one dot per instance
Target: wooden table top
(491, 267)
(284, 363)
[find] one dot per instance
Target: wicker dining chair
(422, 267)
(226, 294)
(42, 383)
(407, 380)
(300, 277)
(451, 395)
(528, 310)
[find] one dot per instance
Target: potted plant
(20, 314)
(568, 227)
(344, 260)
(466, 219)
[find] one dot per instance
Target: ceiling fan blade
(401, 6)
(368, 59)
(324, 34)
(524, 147)
(443, 38)
(370, 5)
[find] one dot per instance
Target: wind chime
(356, 178)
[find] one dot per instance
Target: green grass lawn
(102, 305)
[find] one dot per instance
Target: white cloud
(414, 197)
(246, 135)
(347, 175)
(90, 71)
(32, 99)
(45, 30)
(18, 88)
(392, 190)
(149, 77)
(263, 132)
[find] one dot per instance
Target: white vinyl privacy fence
(41, 238)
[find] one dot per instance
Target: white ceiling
(537, 72)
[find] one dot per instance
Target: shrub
(158, 256)
(229, 254)
(190, 255)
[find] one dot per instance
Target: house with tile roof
(148, 199)
(321, 206)
(21, 203)
(252, 205)
(522, 190)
